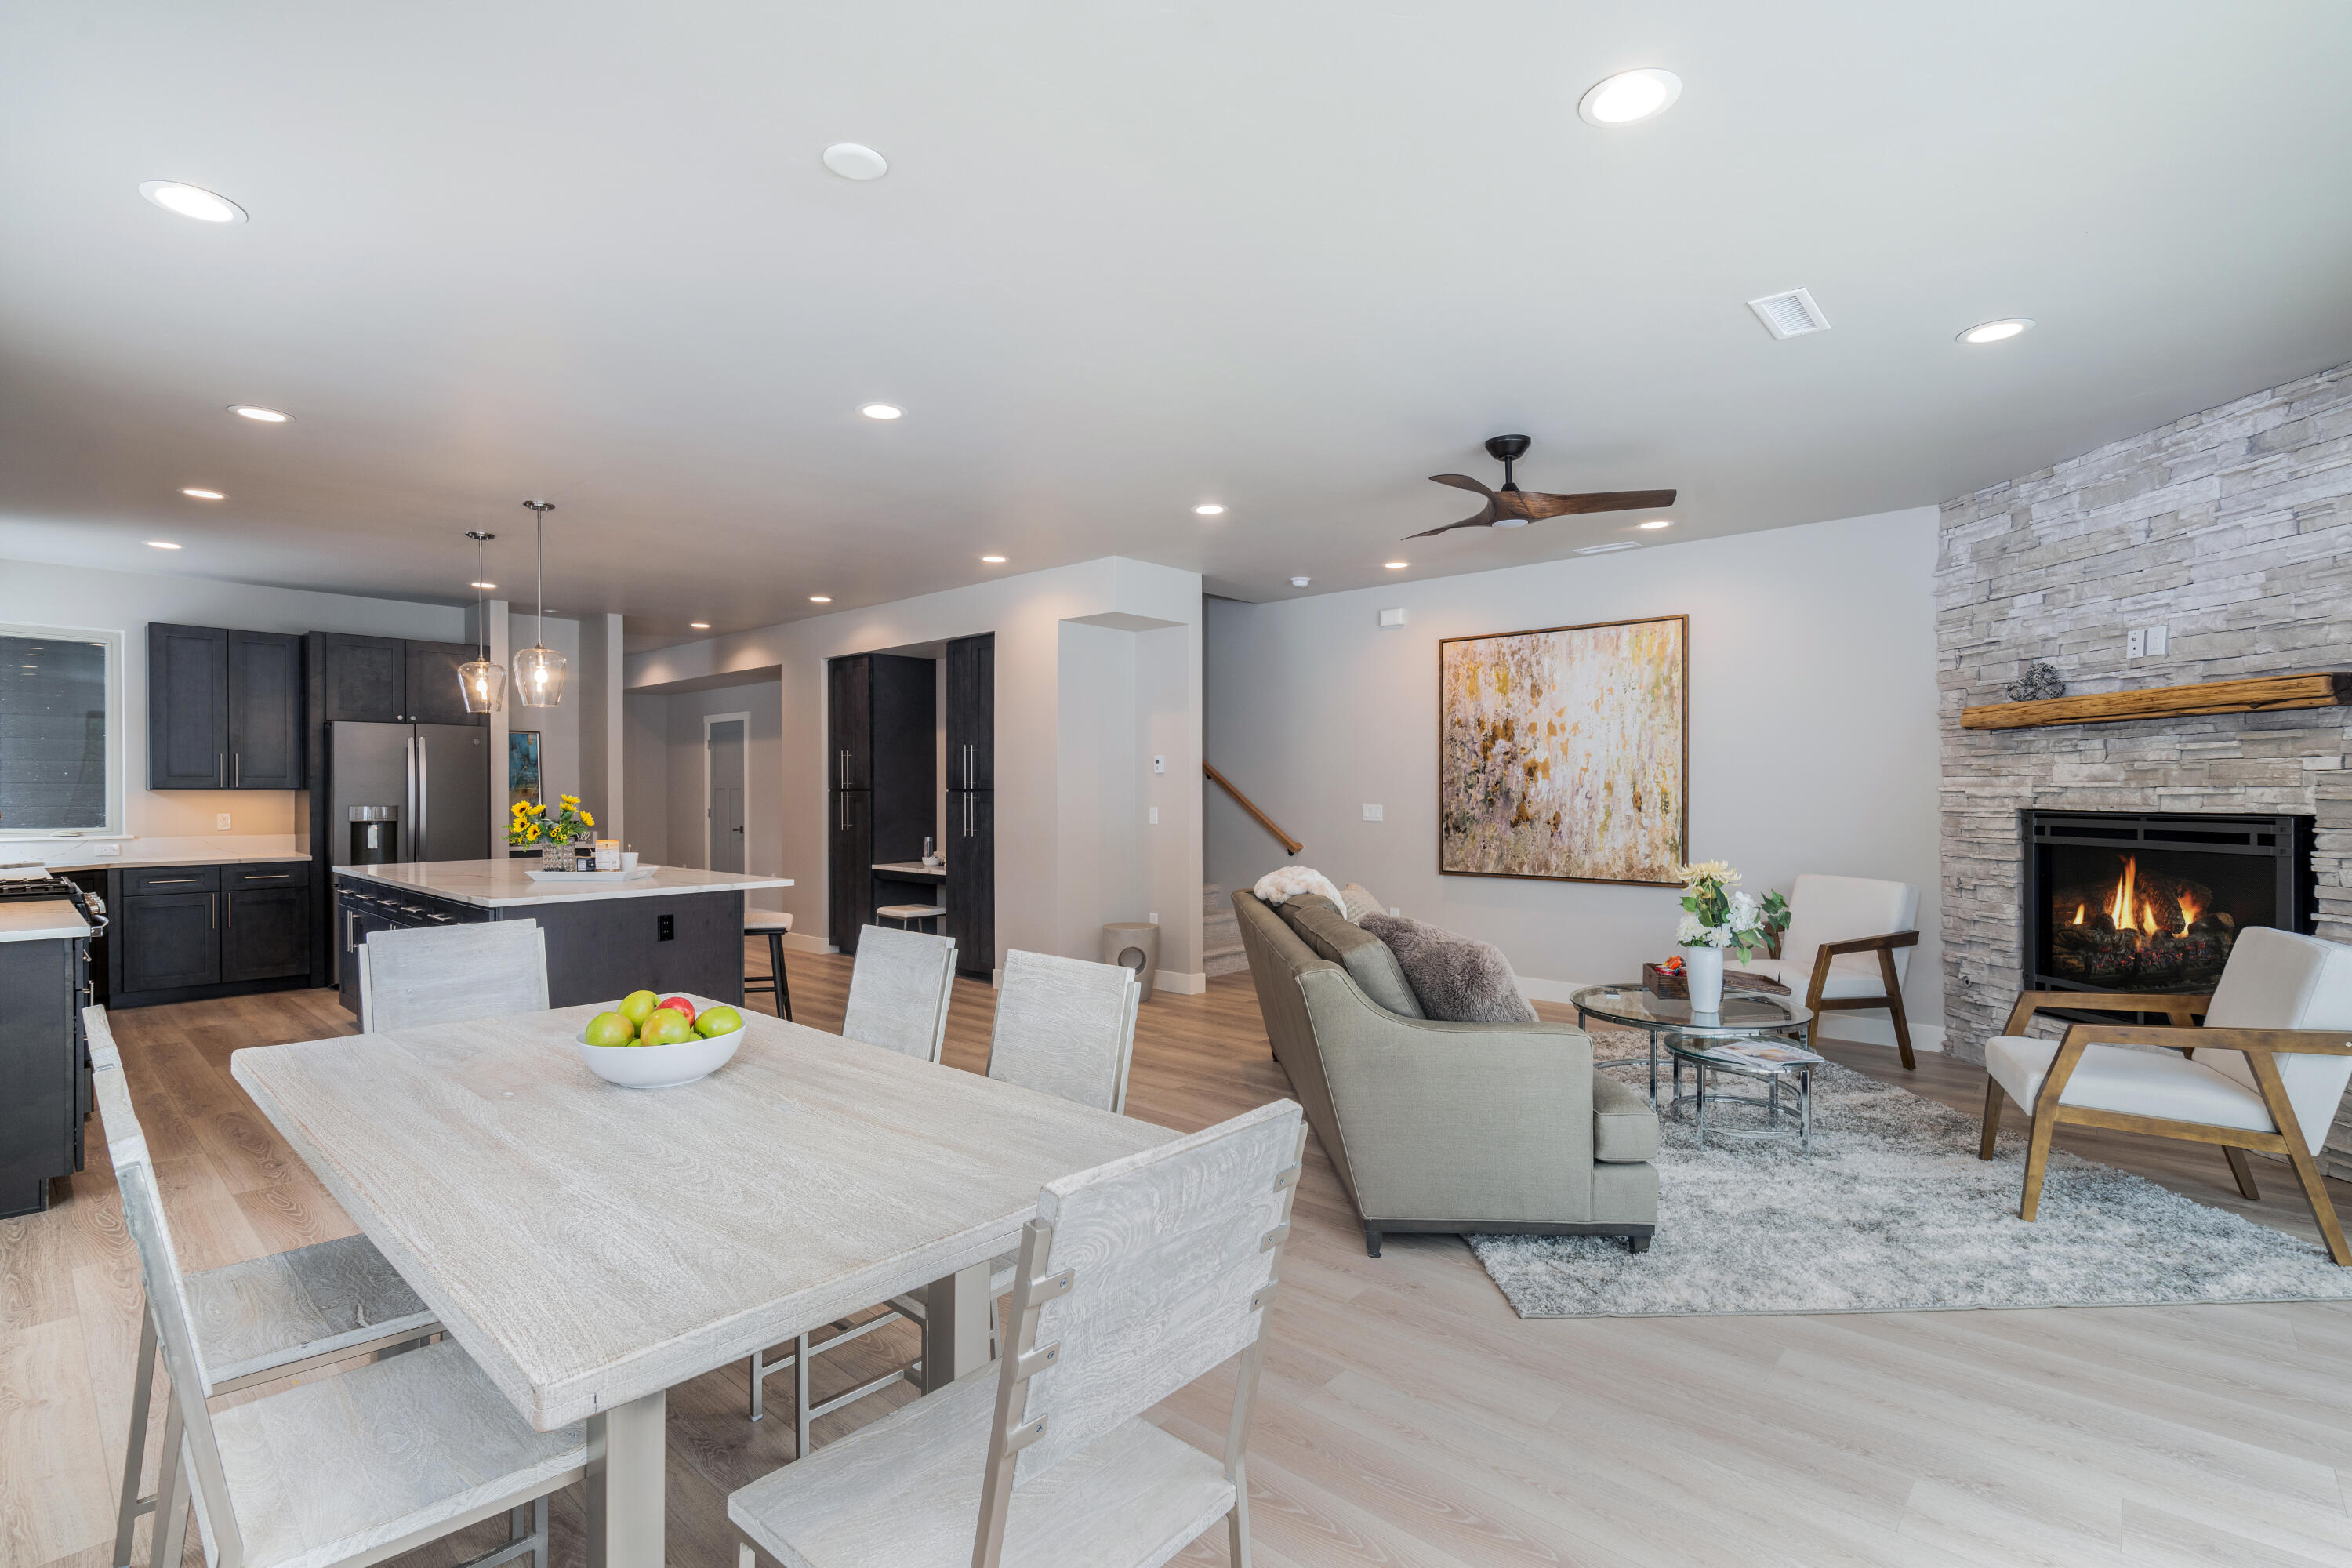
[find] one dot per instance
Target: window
(61, 732)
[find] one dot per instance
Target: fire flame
(2128, 911)
(2119, 909)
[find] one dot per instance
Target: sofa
(1445, 1127)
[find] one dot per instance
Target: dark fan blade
(1485, 518)
(1535, 505)
(1461, 483)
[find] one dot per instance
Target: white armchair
(1848, 946)
(2266, 1072)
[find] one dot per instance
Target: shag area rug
(1892, 1211)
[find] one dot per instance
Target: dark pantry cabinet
(882, 721)
(223, 709)
(971, 847)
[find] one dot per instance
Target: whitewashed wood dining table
(590, 1246)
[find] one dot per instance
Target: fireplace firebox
(2154, 901)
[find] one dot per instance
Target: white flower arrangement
(1714, 916)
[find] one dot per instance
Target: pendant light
(538, 668)
(481, 683)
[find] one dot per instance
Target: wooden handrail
(1251, 806)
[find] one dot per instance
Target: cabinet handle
(236, 770)
(167, 881)
(350, 918)
(212, 911)
(267, 876)
(220, 762)
(228, 903)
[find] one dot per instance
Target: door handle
(423, 802)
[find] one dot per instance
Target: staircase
(1221, 933)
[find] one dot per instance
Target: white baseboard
(1847, 1026)
(1182, 981)
(795, 942)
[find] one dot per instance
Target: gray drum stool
(1133, 944)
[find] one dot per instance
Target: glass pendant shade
(483, 684)
(539, 678)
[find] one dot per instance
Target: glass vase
(559, 855)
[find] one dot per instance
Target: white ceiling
(1291, 257)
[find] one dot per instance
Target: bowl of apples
(649, 1041)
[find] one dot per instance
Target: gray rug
(1892, 1211)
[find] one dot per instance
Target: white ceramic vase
(1703, 970)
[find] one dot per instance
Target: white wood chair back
(2281, 980)
(446, 975)
(1842, 909)
(1170, 1253)
(899, 991)
(1066, 1027)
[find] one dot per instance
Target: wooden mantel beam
(2263, 694)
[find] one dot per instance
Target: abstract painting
(522, 766)
(1564, 754)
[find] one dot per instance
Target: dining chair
(1066, 1027)
(348, 1470)
(1136, 1279)
(774, 925)
(446, 975)
(2266, 1072)
(262, 1318)
(1847, 948)
(899, 991)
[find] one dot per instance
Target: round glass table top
(1743, 1012)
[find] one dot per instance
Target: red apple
(681, 1005)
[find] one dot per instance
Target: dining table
(590, 1246)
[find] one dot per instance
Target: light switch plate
(1375, 813)
(1155, 816)
(1393, 618)
(2136, 644)
(1158, 764)
(2157, 637)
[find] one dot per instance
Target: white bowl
(661, 1066)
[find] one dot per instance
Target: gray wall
(1813, 739)
(2229, 528)
(665, 762)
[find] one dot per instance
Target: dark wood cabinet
(265, 711)
(187, 707)
(435, 696)
(972, 878)
(42, 1064)
(882, 723)
(186, 933)
(223, 709)
(849, 705)
(971, 713)
(849, 856)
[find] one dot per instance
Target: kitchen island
(678, 930)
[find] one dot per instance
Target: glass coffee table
(1744, 1016)
(1780, 1121)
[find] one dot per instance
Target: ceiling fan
(1512, 507)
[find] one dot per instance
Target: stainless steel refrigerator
(407, 792)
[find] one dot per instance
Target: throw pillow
(1356, 901)
(1365, 957)
(1458, 979)
(1277, 886)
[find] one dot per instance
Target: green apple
(637, 1005)
(720, 1020)
(611, 1030)
(664, 1028)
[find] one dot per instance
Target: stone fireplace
(2232, 531)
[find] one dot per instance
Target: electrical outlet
(102, 851)
(668, 929)
(220, 821)
(1395, 912)
(1155, 816)
(2136, 644)
(1153, 917)
(1158, 764)
(1375, 813)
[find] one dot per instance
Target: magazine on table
(1761, 1054)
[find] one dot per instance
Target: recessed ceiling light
(1659, 522)
(882, 411)
(699, 625)
(994, 560)
(1605, 549)
(1997, 331)
(161, 544)
(481, 584)
(820, 598)
(852, 161)
(192, 201)
(1300, 582)
(1210, 508)
(1396, 565)
(1629, 96)
(204, 495)
(260, 416)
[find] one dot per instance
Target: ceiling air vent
(1790, 315)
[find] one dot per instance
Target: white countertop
(40, 920)
(222, 849)
(909, 869)
(504, 884)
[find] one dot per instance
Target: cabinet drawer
(276, 874)
(171, 880)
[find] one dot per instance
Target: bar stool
(907, 914)
(771, 924)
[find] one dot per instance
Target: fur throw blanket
(1293, 880)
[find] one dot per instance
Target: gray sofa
(1457, 1128)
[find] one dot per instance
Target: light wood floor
(1407, 1415)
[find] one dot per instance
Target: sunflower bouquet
(528, 824)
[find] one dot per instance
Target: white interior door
(722, 741)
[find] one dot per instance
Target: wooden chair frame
(2260, 1047)
(1892, 1001)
